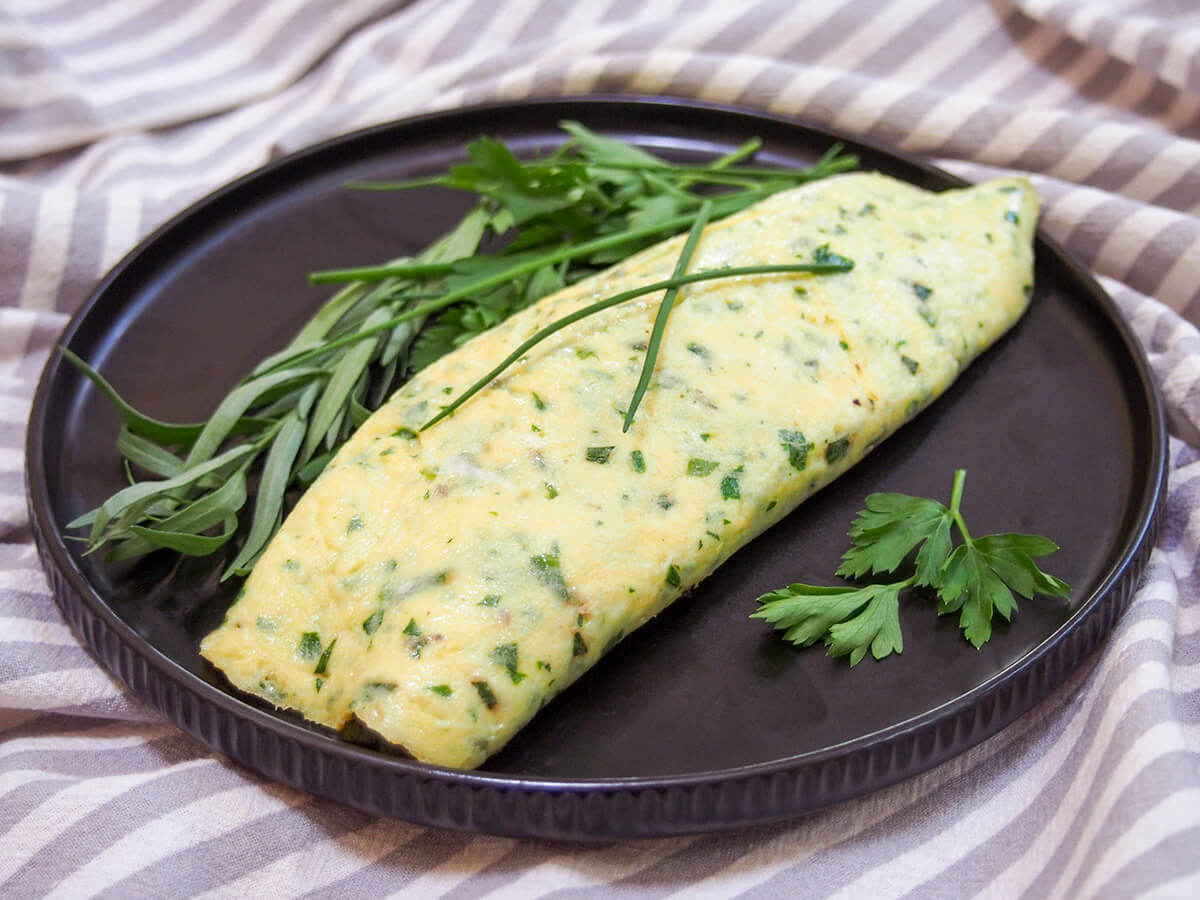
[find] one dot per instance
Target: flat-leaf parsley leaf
(976, 579)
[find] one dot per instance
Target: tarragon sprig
(976, 579)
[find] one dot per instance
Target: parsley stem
(600, 305)
(664, 313)
(956, 492)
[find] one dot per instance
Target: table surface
(114, 114)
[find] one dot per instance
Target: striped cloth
(116, 113)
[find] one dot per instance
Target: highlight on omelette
(440, 586)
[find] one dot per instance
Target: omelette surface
(442, 586)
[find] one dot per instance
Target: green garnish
(372, 622)
(731, 488)
(672, 577)
(579, 645)
(796, 446)
(442, 690)
(486, 694)
(664, 312)
(309, 646)
(976, 579)
(548, 570)
(507, 656)
(701, 468)
(638, 461)
(323, 662)
(562, 218)
(599, 454)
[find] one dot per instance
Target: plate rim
(103, 631)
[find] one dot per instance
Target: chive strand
(664, 313)
(624, 297)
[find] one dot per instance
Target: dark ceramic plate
(703, 719)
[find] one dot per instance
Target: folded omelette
(442, 586)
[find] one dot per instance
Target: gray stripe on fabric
(1065, 52)
(748, 26)
(542, 23)
(818, 40)
(1150, 786)
(394, 870)
(142, 25)
(176, 54)
(940, 18)
(99, 762)
(25, 798)
(1007, 33)
(1183, 194)
(521, 857)
(1099, 87)
(23, 659)
(126, 812)
(38, 607)
(1170, 860)
(1163, 249)
(466, 30)
(18, 221)
(245, 849)
(622, 9)
(84, 253)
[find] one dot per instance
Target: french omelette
(442, 586)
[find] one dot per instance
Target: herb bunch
(976, 579)
(535, 227)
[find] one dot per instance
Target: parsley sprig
(535, 227)
(976, 579)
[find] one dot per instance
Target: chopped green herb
(442, 690)
(310, 645)
(551, 491)
(701, 468)
(730, 488)
(539, 403)
(796, 446)
(264, 624)
(638, 461)
(673, 578)
(406, 433)
(320, 683)
(542, 665)
(835, 450)
(824, 256)
(372, 622)
(412, 629)
(485, 694)
(490, 600)
(323, 662)
(909, 363)
(579, 646)
(927, 314)
(921, 291)
(507, 657)
(355, 524)
(599, 454)
(548, 570)
(1011, 216)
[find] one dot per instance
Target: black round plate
(703, 719)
